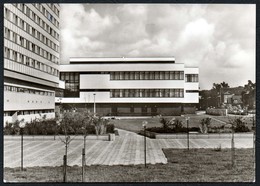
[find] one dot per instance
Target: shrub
(12, 128)
(218, 149)
(164, 123)
(205, 122)
(169, 126)
(240, 125)
(110, 128)
(73, 122)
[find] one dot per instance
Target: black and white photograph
(125, 93)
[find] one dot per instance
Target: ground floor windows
(28, 112)
(146, 93)
(27, 90)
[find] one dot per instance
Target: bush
(240, 125)
(72, 121)
(205, 122)
(169, 126)
(12, 128)
(110, 128)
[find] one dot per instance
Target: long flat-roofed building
(130, 86)
(31, 60)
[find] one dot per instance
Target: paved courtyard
(127, 149)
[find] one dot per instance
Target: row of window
(191, 77)
(28, 112)
(27, 11)
(158, 75)
(12, 36)
(20, 58)
(71, 83)
(27, 90)
(11, 16)
(47, 14)
(146, 93)
(30, 30)
(69, 77)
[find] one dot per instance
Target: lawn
(135, 124)
(195, 165)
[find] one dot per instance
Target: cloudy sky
(219, 39)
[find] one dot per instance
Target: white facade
(162, 75)
(31, 60)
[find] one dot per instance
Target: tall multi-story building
(129, 86)
(31, 60)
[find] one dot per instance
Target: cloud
(218, 38)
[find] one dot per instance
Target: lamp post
(94, 104)
(188, 140)
(144, 125)
(232, 145)
(58, 121)
(21, 125)
(254, 130)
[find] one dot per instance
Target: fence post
(64, 168)
(83, 165)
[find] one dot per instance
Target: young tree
(100, 124)
(205, 122)
(67, 128)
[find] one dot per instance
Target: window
(171, 75)
(127, 75)
(147, 75)
(156, 75)
(161, 75)
(167, 75)
(132, 76)
(121, 75)
(177, 75)
(142, 75)
(126, 91)
(137, 75)
(151, 75)
(181, 75)
(191, 78)
(137, 93)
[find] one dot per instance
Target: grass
(135, 124)
(195, 165)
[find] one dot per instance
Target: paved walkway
(127, 149)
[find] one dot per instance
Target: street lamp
(94, 104)
(188, 140)
(60, 104)
(22, 125)
(144, 125)
(254, 130)
(58, 121)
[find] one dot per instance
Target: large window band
(146, 93)
(148, 75)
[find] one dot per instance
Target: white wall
(121, 67)
(102, 81)
(29, 117)
(190, 70)
(191, 97)
(24, 101)
(191, 86)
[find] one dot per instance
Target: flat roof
(120, 59)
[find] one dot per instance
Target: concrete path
(127, 149)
